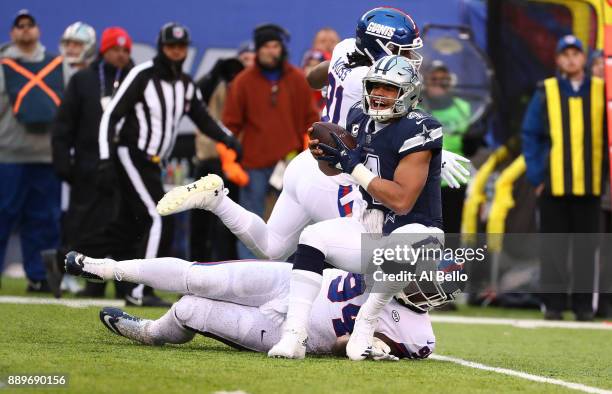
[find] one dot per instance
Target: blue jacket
(535, 130)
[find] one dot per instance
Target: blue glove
(341, 156)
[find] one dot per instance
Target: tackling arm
(317, 77)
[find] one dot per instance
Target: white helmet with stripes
(79, 32)
(399, 72)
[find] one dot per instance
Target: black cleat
(38, 286)
(126, 325)
(74, 266)
(553, 315)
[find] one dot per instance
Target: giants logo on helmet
(378, 30)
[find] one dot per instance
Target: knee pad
(192, 312)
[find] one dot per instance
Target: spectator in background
(246, 54)
(269, 106)
(325, 40)
(210, 239)
(563, 145)
(454, 113)
(596, 63)
(137, 132)
(75, 148)
(604, 305)
(311, 59)
(29, 188)
(78, 47)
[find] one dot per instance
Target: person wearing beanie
(136, 135)
(75, 154)
(269, 107)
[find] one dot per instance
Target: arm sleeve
(122, 103)
(532, 132)
(63, 131)
(204, 121)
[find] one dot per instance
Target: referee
(137, 132)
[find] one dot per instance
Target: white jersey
(234, 301)
(336, 307)
(345, 86)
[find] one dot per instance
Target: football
(322, 131)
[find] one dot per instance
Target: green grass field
(59, 339)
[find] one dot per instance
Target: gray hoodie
(16, 144)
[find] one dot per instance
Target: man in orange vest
(31, 85)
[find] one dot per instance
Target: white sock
(303, 290)
(104, 268)
(167, 329)
(375, 303)
(244, 224)
(163, 273)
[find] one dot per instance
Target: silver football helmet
(80, 32)
(426, 294)
(397, 71)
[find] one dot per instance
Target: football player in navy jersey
(397, 165)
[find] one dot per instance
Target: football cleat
(205, 193)
(291, 345)
(74, 264)
(94, 270)
(126, 325)
(360, 342)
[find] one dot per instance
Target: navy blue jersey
(383, 150)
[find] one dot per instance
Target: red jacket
(269, 131)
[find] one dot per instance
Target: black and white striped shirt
(146, 111)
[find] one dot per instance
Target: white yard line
(522, 375)
(521, 323)
(72, 303)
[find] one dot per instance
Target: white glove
(452, 171)
(380, 351)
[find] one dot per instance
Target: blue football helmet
(387, 31)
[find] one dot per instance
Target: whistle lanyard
(103, 80)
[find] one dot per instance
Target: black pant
(569, 218)
(138, 231)
(85, 224)
(452, 211)
(210, 239)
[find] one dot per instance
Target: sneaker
(359, 345)
(553, 315)
(291, 345)
(584, 315)
(205, 193)
(70, 284)
(147, 300)
(126, 325)
(38, 286)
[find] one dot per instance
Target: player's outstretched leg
(128, 326)
(205, 193)
(94, 270)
